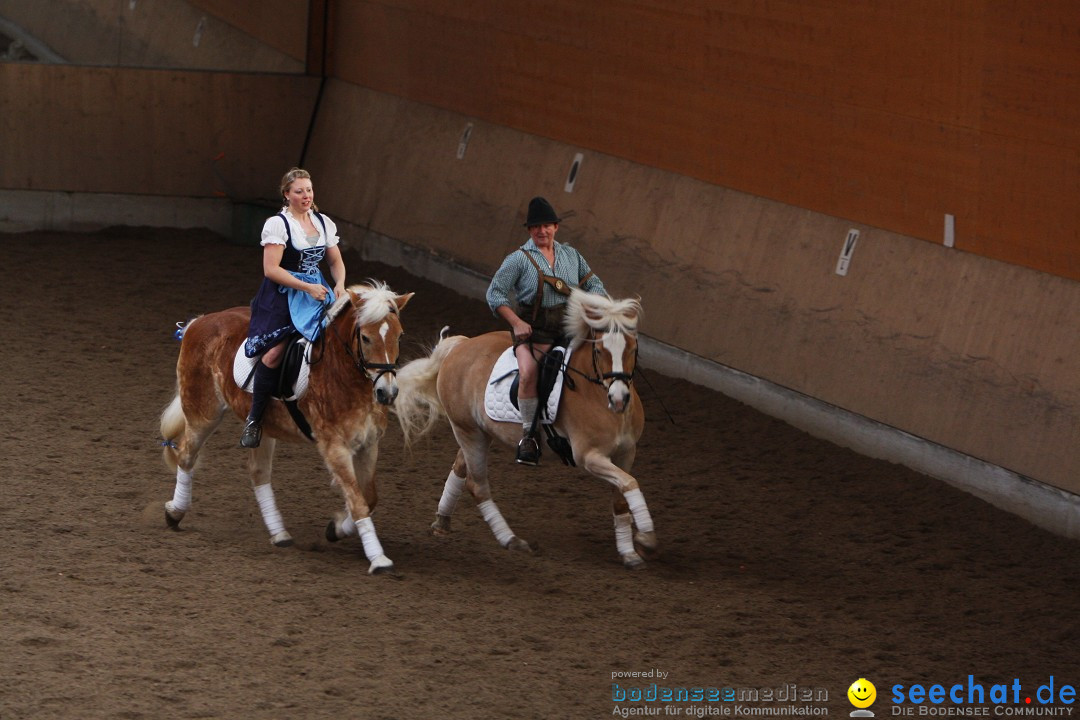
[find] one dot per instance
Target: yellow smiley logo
(862, 693)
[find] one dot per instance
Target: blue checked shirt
(517, 276)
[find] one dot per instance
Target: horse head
(376, 333)
(610, 327)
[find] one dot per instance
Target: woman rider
(293, 291)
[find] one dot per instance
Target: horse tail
(417, 405)
(173, 424)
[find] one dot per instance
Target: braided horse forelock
(588, 311)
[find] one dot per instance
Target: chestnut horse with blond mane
(599, 413)
(350, 385)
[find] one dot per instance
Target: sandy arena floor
(787, 560)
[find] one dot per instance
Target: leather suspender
(557, 284)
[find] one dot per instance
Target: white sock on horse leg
(264, 494)
(495, 520)
(528, 411)
(450, 493)
(181, 499)
(372, 546)
(624, 532)
(642, 518)
(348, 527)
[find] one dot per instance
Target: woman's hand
(317, 291)
(339, 290)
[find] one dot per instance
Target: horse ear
(402, 300)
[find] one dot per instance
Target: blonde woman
(293, 291)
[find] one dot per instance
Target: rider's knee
(527, 376)
(272, 357)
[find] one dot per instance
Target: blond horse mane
(588, 311)
(379, 301)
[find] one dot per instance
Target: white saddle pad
(243, 367)
(497, 394)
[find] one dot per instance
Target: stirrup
(528, 451)
(252, 435)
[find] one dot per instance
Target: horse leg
(260, 465)
(455, 481)
(474, 449)
(177, 508)
(346, 468)
(342, 525)
(624, 531)
(644, 540)
(186, 452)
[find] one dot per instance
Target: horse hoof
(381, 565)
(517, 543)
(282, 539)
(633, 561)
(441, 526)
(172, 518)
(646, 544)
(331, 532)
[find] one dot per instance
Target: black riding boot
(262, 388)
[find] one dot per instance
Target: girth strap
(299, 419)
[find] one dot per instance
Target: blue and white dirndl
(277, 312)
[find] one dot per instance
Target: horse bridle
(600, 378)
(627, 378)
(364, 366)
(360, 362)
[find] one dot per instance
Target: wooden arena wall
(150, 132)
(237, 35)
(893, 114)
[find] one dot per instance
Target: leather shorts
(548, 327)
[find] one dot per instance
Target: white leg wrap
(496, 522)
(450, 493)
(181, 500)
(372, 546)
(640, 510)
(264, 494)
(624, 531)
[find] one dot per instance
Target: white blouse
(273, 232)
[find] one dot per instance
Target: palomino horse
(599, 412)
(351, 382)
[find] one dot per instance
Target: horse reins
(628, 378)
(599, 377)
